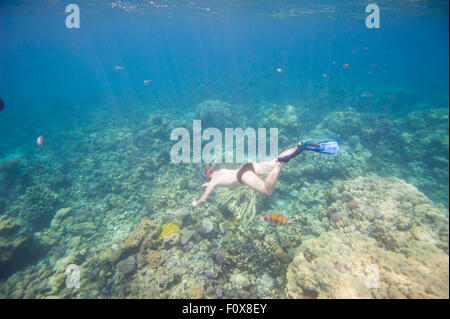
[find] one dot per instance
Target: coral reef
(287, 121)
(14, 244)
(351, 265)
(219, 114)
(420, 139)
(391, 211)
(112, 203)
(294, 122)
(37, 206)
(167, 230)
(241, 201)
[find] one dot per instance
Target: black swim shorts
(247, 167)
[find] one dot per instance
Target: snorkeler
(250, 172)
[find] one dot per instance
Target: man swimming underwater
(250, 172)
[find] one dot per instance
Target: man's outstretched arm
(205, 195)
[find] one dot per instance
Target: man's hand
(209, 188)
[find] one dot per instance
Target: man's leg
(290, 153)
(272, 168)
(267, 186)
(264, 168)
(272, 178)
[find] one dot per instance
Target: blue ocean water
(381, 93)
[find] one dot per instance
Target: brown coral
(353, 204)
(146, 228)
(153, 258)
(197, 291)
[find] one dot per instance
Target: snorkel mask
(207, 171)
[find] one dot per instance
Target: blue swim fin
(329, 147)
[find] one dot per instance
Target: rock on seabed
(395, 245)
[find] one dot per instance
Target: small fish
(279, 70)
(275, 219)
(2, 104)
(334, 62)
(325, 76)
(40, 140)
(346, 65)
(147, 82)
(118, 67)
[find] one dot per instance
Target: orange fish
(275, 219)
(40, 140)
(147, 82)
